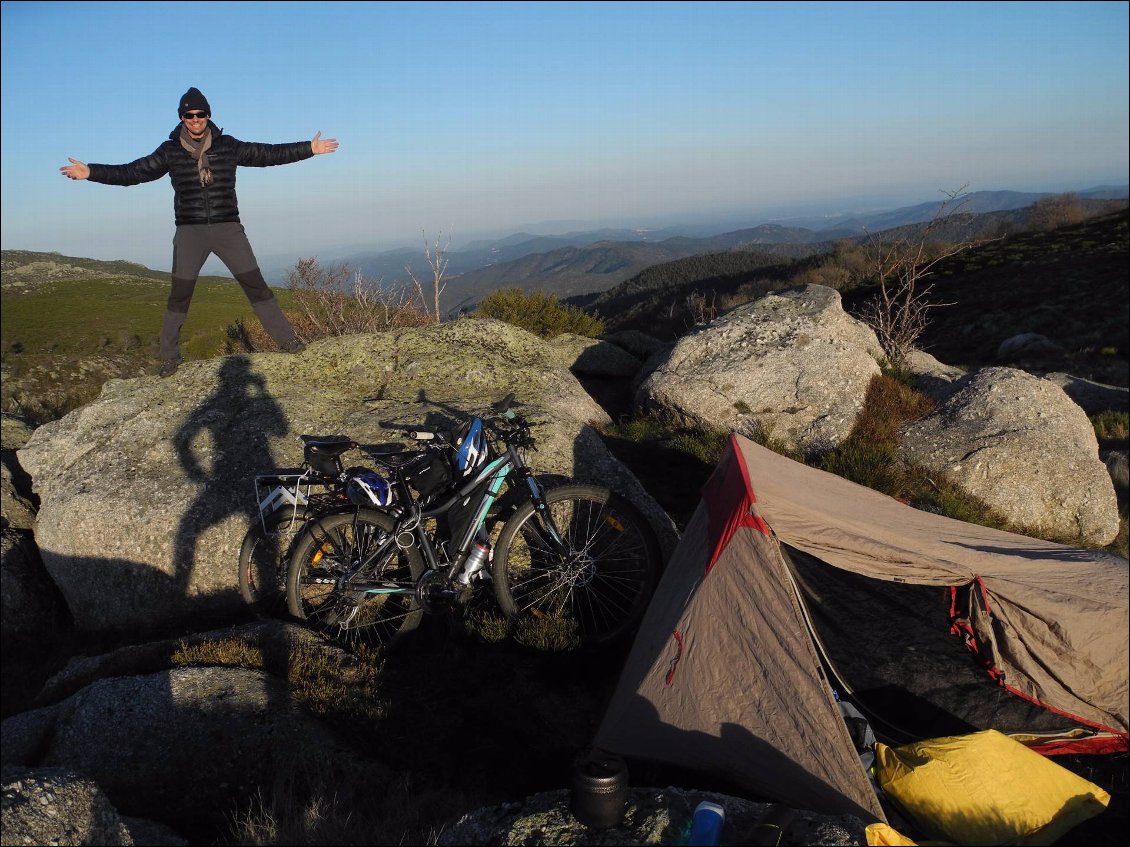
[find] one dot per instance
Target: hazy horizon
(479, 120)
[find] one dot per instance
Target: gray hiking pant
(192, 245)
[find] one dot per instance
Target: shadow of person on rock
(221, 446)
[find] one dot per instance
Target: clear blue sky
(471, 118)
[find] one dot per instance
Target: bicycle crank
(434, 593)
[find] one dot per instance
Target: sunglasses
(190, 115)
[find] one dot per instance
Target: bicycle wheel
(263, 558)
(338, 550)
(602, 580)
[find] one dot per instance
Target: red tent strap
(678, 655)
(963, 629)
(1082, 745)
(1099, 746)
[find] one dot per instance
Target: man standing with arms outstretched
(201, 163)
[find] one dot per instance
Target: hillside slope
(1071, 284)
(69, 324)
(575, 273)
(24, 268)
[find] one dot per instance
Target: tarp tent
(787, 575)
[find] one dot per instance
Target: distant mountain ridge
(582, 263)
(581, 269)
(1077, 273)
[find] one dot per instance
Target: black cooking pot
(600, 789)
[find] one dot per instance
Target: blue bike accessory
(706, 825)
(471, 446)
(369, 489)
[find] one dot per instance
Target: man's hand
(79, 170)
(318, 145)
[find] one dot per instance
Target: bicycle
(287, 499)
(576, 552)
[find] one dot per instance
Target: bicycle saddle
(329, 445)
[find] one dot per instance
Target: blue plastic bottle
(706, 825)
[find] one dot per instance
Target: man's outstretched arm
(75, 170)
(142, 170)
(321, 145)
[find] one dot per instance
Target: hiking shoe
(295, 346)
(169, 367)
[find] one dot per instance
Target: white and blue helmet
(369, 489)
(470, 447)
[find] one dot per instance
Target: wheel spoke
(344, 551)
(602, 579)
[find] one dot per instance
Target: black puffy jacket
(193, 203)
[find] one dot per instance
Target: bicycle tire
(603, 583)
(263, 560)
(334, 542)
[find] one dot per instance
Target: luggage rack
(288, 489)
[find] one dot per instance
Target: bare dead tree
(436, 256)
(899, 311)
(337, 300)
(702, 310)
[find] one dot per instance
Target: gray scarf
(199, 151)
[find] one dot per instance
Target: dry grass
(889, 404)
(311, 805)
(228, 652)
(329, 684)
(547, 633)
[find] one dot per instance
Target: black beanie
(192, 100)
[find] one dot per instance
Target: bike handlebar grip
(421, 435)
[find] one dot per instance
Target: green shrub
(874, 465)
(539, 313)
(706, 445)
(761, 434)
(1111, 426)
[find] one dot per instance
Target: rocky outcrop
(30, 604)
(593, 356)
(1093, 397)
(145, 493)
(190, 742)
(1118, 466)
(57, 806)
(1027, 345)
(1022, 446)
(935, 379)
(274, 643)
(792, 363)
(16, 506)
(652, 816)
(61, 806)
(639, 344)
(17, 510)
(29, 601)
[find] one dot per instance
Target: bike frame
(490, 480)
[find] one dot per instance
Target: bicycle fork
(552, 534)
